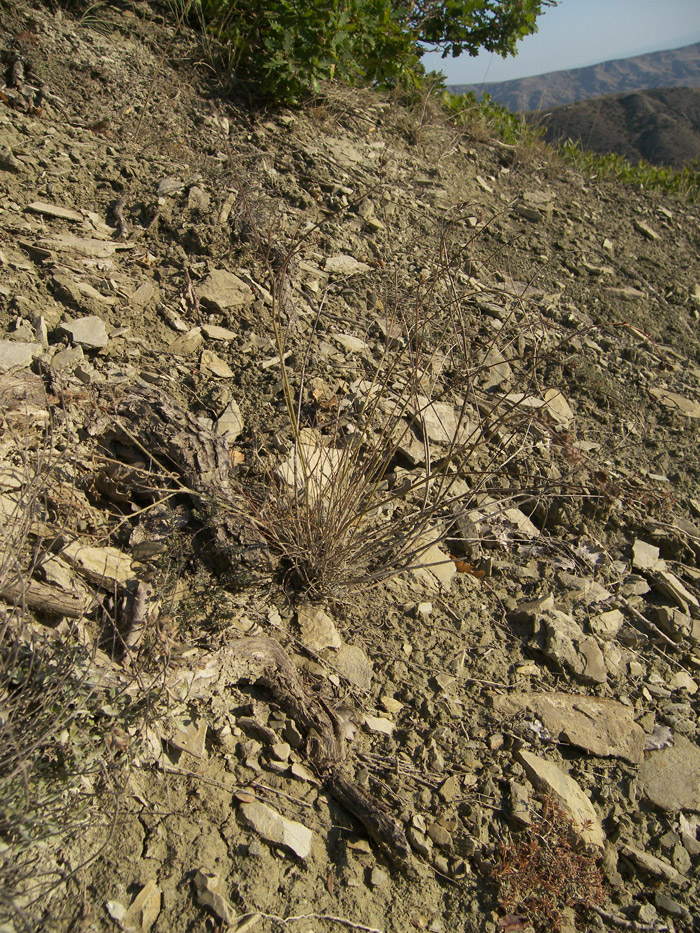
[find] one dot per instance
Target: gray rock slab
(223, 290)
(656, 867)
(354, 665)
(318, 630)
(229, 424)
(568, 646)
(645, 556)
(16, 353)
(670, 777)
(275, 828)
(600, 726)
(548, 778)
(87, 331)
(344, 265)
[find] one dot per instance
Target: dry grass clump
(544, 869)
(438, 417)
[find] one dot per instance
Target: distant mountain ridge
(667, 68)
(661, 125)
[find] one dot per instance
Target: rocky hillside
(665, 69)
(350, 569)
(661, 126)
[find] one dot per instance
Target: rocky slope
(667, 68)
(661, 126)
(381, 760)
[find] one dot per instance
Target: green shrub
(287, 47)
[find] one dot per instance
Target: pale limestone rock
(276, 829)
(318, 630)
(548, 778)
(601, 726)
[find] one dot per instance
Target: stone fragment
(670, 777)
(645, 556)
(558, 407)
(644, 229)
(210, 364)
(105, 566)
(379, 724)
(187, 344)
(223, 290)
(54, 210)
(144, 909)
(684, 406)
(601, 726)
(548, 778)
(668, 583)
(626, 293)
(276, 829)
(88, 331)
(344, 265)
(681, 680)
(318, 630)
(229, 424)
(144, 294)
(15, 353)
(191, 739)
(67, 359)
(658, 868)
(567, 645)
(209, 893)
(354, 665)
(214, 332)
(607, 624)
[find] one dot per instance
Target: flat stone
(276, 829)
(212, 365)
(313, 465)
(344, 265)
(144, 294)
(548, 778)
(354, 665)
(568, 646)
(670, 777)
(690, 408)
(558, 407)
(318, 630)
(645, 556)
(187, 344)
(54, 210)
(223, 290)
(645, 230)
(437, 421)
(105, 566)
(350, 343)
(607, 624)
(379, 724)
(658, 868)
(88, 331)
(668, 583)
(599, 725)
(15, 353)
(208, 885)
(191, 739)
(229, 424)
(214, 332)
(681, 680)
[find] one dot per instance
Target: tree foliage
(287, 47)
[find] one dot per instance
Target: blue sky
(583, 32)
